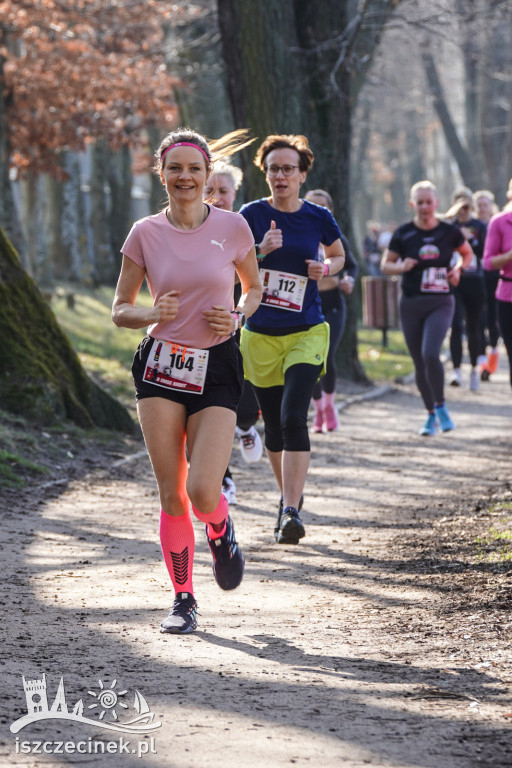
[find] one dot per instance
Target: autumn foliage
(76, 70)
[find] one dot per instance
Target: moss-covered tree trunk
(41, 376)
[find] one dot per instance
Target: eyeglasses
(273, 170)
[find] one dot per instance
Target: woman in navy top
(286, 341)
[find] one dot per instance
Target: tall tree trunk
(259, 47)
(120, 181)
(471, 47)
(99, 215)
(363, 199)
(496, 101)
(8, 212)
(66, 238)
(56, 256)
(469, 171)
(32, 210)
(157, 196)
(415, 161)
(73, 235)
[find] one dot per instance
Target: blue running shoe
(430, 426)
(444, 418)
(182, 618)
(228, 561)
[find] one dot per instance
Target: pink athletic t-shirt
(198, 262)
(497, 241)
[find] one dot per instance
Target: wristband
(326, 270)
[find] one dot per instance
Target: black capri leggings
(285, 409)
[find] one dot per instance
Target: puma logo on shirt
(221, 245)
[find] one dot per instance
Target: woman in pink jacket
(498, 255)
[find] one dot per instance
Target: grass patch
(13, 467)
(495, 546)
(383, 363)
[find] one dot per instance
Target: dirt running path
(349, 649)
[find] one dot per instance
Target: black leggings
(505, 321)
(490, 312)
(335, 312)
(425, 322)
(285, 409)
(469, 302)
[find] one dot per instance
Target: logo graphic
(107, 703)
(429, 251)
(221, 245)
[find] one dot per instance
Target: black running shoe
(228, 561)
(277, 529)
(182, 617)
(291, 528)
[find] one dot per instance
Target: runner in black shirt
(422, 251)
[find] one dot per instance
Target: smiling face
(220, 189)
(285, 189)
(184, 174)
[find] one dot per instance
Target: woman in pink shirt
(188, 370)
(498, 255)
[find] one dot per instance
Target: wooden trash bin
(380, 303)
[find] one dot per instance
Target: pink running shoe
(330, 413)
(318, 421)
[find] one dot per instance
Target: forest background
(388, 92)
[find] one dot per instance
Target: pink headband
(184, 144)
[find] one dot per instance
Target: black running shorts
(223, 383)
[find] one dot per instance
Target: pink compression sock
(216, 518)
(177, 540)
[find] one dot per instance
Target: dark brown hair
(282, 141)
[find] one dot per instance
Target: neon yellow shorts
(267, 358)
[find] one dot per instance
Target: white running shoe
(456, 379)
(229, 490)
(251, 446)
(474, 380)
